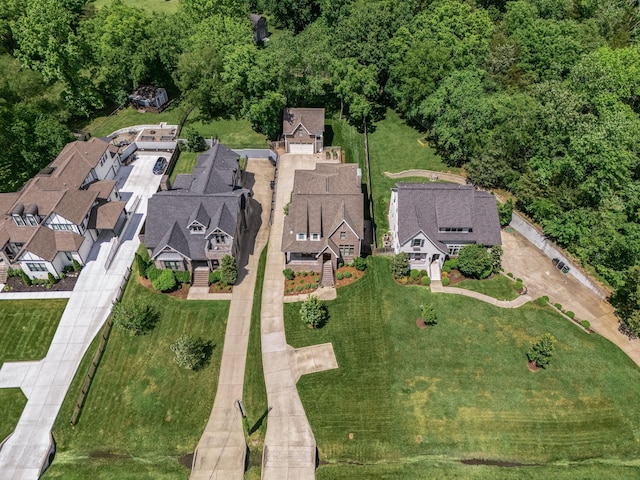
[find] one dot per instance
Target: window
(36, 267)
(301, 236)
(454, 230)
(219, 238)
(31, 220)
(195, 228)
(61, 226)
(418, 242)
(347, 250)
(343, 235)
(172, 265)
(454, 250)
(300, 133)
(69, 256)
(18, 219)
(315, 236)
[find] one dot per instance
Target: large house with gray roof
(202, 217)
(325, 219)
(303, 130)
(432, 221)
(57, 215)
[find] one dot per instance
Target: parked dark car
(159, 166)
(560, 265)
(555, 261)
(566, 269)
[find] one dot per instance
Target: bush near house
(214, 277)
(228, 270)
(360, 263)
(475, 261)
(400, 266)
(165, 281)
(152, 272)
(288, 274)
(183, 276)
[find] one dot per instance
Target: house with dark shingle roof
(48, 223)
(303, 130)
(432, 221)
(202, 218)
(325, 219)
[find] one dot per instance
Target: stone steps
(327, 275)
(200, 277)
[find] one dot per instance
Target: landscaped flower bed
(416, 277)
(302, 282)
(346, 275)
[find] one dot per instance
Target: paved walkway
(326, 293)
(449, 177)
(221, 451)
(437, 287)
(526, 261)
(25, 455)
(34, 295)
(290, 447)
(202, 293)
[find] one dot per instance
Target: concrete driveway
(45, 383)
(541, 277)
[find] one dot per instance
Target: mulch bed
(532, 366)
(15, 284)
(181, 292)
(355, 275)
(219, 288)
(420, 323)
(309, 278)
(455, 277)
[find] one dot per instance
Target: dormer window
(300, 133)
(219, 238)
(196, 228)
(18, 219)
(301, 236)
(31, 220)
(315, 236)
(454, 230)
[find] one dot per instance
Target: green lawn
(185, 163)
(150, 6)
(27, 327)
(497, 286)
(26, 330)
(143, 413)
(461, 389)
(235, 133)
(254, 391)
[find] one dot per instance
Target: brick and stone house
(325, 220)
(303, 130)
(432, 221)
(57, 215)
(202, 218)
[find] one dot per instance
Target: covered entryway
(306, 148)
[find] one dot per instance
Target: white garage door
(301, 148)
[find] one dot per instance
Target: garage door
(301, 148)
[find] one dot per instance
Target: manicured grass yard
(418, 399)
(235, 133)
(26, 330)
(143, 412)
(149, 6)
(497, 286)
(185, 163)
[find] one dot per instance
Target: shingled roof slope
(311, 118)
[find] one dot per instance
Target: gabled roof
(103, 187)
(76, 204)
(214, 172)
(312, 119)
(199, 215)
(223, 220)
(175, 239)
(427, 207)
(322, 200)
(106, 215)
(46, 243)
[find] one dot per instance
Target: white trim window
(36, 266)
(301, 236)
(454, 250)
(315, 237)
(417, 242)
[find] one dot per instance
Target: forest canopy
(537, 97)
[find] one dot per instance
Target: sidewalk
(436, 287)
(34, 295)
(221, 451)
(26, 454)
(290, 447)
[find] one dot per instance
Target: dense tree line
(538, 97)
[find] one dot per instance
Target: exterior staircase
(201, 277)
(3, 273)
(327, 275)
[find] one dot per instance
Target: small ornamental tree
(136, 318)
(505, 212)
(360, 264)
(542, 350)
(633, 322)
(191, 353)
(195, 141)
(142, 264)
(313, 312)
(228, 270)
(165, 281)
(475, 261)
(400, 265)
(429, 315)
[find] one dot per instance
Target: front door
(435, 257)
(326, 257)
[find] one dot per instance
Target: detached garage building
(303, 130)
